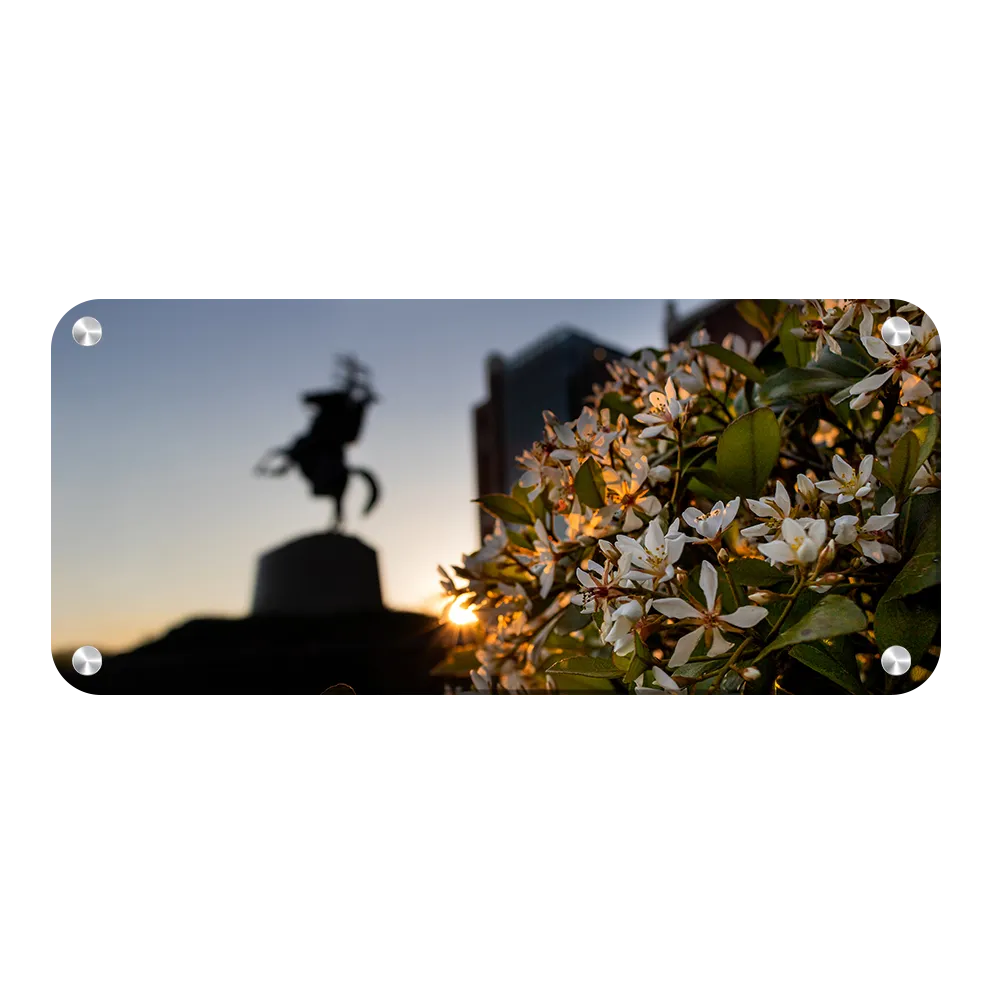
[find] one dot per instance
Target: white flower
(816, 328)
(664, 411)
(652, 559)
(906, 362)
(710, 621)
(773, 510)
(543, 563)
(537, 474)
(869, 537)
(601, 585)
(619, 625)
(868, 306)
(581, 440)
(847, 484)
(667, 685)
(800, 542)
(926, 480)
(593, 524)
(715, 522)
(628, 493)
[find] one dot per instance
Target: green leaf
(732, 360)
(769, 358)
(797, 351)
(756, 573)
(618, 404)
(752, 313)
(586, 666)
(911, 622)
(834, 615)
(921, 572)
(704, 483)
(535, 507)
(926, 432)
(639, 662)
(575, 684)
(571, 620)
(506, 508)
(589, 484)
(747, 451)
(903, 463)
(816, 657)
(882, 474)
(795, 383)
(925, 510)
(695, 668)
(733, 597)
(458, 663)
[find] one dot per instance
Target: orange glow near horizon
(459, 614)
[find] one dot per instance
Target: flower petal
(759, 508)
(745, 617)
(665, 680)
(782, 499)
(729, 513)
(867, 320)
(674, 607)
(685, 647)
(841, 469)
(709, 581)
(828, 486)
(871, 383)
(720, 644)
(872, 549)
(878, 348)
(779, 551)
(691, 516)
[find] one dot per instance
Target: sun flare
(459, 614)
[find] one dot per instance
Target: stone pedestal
(324, 574)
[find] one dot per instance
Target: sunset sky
(156, 515)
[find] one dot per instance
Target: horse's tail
(372, 486)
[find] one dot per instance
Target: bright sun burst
(459, 614)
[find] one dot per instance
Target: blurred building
(718, 316)
(555, 373)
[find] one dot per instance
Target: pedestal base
(323, 574)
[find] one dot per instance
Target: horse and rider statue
(319, 453)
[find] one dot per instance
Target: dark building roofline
(678, 329)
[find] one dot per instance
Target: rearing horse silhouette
(319, 453)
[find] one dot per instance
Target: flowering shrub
(725, 518)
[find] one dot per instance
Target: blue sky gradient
(156, 515)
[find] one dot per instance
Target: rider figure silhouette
(319, 453)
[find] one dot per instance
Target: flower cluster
(713, 523)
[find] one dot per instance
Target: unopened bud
(829, 579)
(723, 557)
(681, 577)
(828, 554)
(762, 596)
(824, 509)
(806, 488)
(749, 673)
(705, 440)
(858, 563)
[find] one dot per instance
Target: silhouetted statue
(319, 453)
